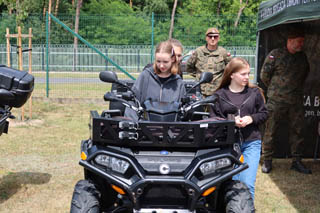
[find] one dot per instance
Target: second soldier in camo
(209, 58)
(283, 73)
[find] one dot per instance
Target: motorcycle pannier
(15, 86)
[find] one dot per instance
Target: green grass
(284, 190)
(85, 90)
(39, 165)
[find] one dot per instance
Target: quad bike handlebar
(184, 108)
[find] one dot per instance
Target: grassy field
(39, 165)
(69, 87)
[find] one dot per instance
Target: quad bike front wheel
(237, 198)
(85, 198)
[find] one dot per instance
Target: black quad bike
(167, 161)
(15, 89)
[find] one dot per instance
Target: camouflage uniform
(284, 75)
(203, 60)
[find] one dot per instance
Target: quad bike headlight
(211, 166)
(112, 163)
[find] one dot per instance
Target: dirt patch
(31, 122)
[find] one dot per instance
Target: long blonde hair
(166, 47)
(236, 64)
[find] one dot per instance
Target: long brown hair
(166, 47)
(176, 43)
(236, 64)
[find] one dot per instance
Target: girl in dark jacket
(244, 102)
(160, 81)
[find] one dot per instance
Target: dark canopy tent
(274, 19)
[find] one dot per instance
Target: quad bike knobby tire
(238, 198)
(85, 198)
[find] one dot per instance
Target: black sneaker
(266, 166)
(299, 167)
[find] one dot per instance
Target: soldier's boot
(298, 166)
(266, 166)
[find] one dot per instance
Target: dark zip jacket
(148, 86)
(253, 105)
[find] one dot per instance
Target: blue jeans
(251, 153)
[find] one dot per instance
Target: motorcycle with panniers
(173, 159)
(15, 89)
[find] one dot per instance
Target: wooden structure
(19, 37)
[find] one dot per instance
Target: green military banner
(275, 12)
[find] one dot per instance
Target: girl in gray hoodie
(160, 81)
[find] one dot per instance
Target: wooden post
(19, 37)
(20, 63)
(8, 48)
(30, 69)
(20, 49)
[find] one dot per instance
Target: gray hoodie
(148, 86)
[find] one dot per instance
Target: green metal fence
(132, 58)
(130, 47)
(67, 80)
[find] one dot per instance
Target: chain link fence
(66, 80)
(130, 57)
(130, 40)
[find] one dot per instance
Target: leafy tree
(125, 27)
(156, 6)
(129, 21)
(7, 6)
(6, 21)
(234, 30)
(104, 7)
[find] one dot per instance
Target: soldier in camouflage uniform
(283, 73)
(209, 58)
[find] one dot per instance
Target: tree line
(124, 22)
